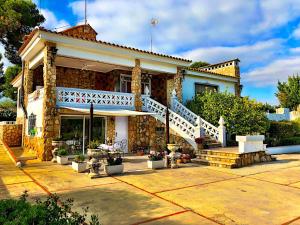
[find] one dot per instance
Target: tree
(242, 115)
(10, 73)
(1, 66)
(17, 18)
(288, 93)
(198, 64)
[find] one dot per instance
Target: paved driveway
(261, 194)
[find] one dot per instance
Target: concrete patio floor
(261, 194)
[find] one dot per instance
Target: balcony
(82, 98)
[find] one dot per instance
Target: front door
(122, 130)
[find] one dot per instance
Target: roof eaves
(100, 42)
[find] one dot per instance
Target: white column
(222, 132)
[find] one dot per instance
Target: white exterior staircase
(185, 122)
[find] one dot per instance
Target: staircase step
(217, 158)
(215, 163)
(219, 153)
(214, 145)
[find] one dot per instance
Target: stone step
(214, 145)
(215, 163)
(217, 158)
(219, 153)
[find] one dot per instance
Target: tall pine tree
(17, 18)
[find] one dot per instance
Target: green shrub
(283, 133)
(79, 158)
(62, 152)
(289, 141)
(7, 115)
(282, 129)
(93, 144)
(242, 115)
(50, 211)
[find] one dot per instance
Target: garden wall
(284, 149)
(11, 134)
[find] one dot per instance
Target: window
(32, 124)
(125, 84)
(200, 88)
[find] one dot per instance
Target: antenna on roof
(85, 19)
(153, 22)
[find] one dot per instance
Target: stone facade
(28, 82)
(110, 130)
(136, 85)
(11, 134)
(50, 128)
(146, 131)
(178, 83)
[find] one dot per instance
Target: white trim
(35, 61)
(211, 76)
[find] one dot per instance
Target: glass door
(98, 130)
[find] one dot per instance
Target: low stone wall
(36, 145)
(246, 159)
(11, 134)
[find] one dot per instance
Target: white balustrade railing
(209, 129)
(36, 95)
(194, 119)
(176, 122)
(184, 112)
(82, 98)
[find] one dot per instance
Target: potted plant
(79, 164)
(62, 156)
(114, 165)
(155, 161)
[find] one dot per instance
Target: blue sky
(263, 34)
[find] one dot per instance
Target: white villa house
(64, 72)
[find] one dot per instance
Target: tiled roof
(209, 72)
(29, 37)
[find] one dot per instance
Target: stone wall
(146, 131)
(11, 134)
(136, 85)
(50, 127)
(110, 132)
(178, 83)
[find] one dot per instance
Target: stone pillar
(50, 127)
(222, 132)
(28, 82)
(136, 87)
(178, 83)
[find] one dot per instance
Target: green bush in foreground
(51, 211)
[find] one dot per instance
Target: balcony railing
(82, 98)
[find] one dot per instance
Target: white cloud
(51, 21)
(296, 33)
(248, 54)
(295, 50)
(275, 13)
(186, 24)
(279, 69)
(182, 24)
